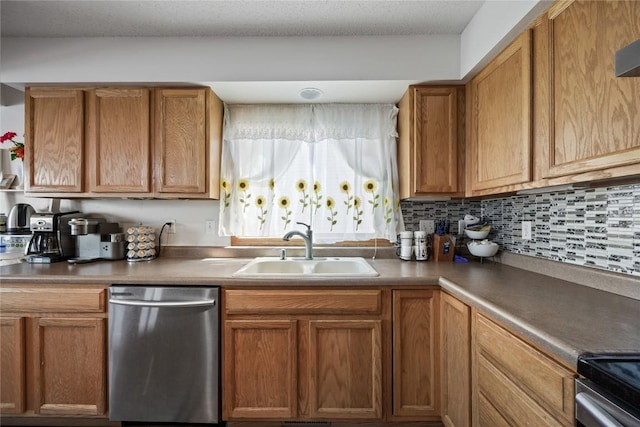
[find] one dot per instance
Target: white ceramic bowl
(483, 250)
(476, 235)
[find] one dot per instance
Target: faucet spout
(307, 237)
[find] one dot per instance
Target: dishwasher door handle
(165, 304)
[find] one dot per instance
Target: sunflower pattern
(365, 202)
(345, 188)
(301, 186)
(226, 186)
(357, 212)
(388, 209)
(285, 204)
(260, 204)
(317, 197)
(330, 205)
(243, 186)
(370, 186)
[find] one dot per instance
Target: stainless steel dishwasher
(164, 363)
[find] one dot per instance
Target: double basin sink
(269, 267)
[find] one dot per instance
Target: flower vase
(20, 175)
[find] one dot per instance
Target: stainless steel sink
(268, 268)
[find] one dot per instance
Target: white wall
(210, 59)
(492, 28)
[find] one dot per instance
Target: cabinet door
(594, 115)
(456, 362)
(54, 140)
(181, 146)
(429, 148)
(500, 134)
(345, 364)
(12, 380)
(260, 369)
(416, 380)
(70, 361)
(119, 153)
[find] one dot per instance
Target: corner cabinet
(431, 141)
(302, 354)
(123, 142)
(53, 351)
(500, 142)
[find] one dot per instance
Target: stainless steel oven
(608, 392)
(164, 359)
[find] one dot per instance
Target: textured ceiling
(89, 18)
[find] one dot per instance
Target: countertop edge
(559, 349)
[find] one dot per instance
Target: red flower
(17, 151)
(7, 137)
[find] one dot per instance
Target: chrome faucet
(308, 239)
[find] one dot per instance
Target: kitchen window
(329, 165)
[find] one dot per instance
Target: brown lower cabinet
(516, 384)
(303, 354)
(372, 354)
(53, 351)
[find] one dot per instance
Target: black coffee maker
(51, 239)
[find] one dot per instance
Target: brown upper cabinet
(591, 116)
(119, 142)
(54, 140)
(500, 120)
(187, 138)
(431, 143)
(548, 110)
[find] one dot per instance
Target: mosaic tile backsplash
(595, 227)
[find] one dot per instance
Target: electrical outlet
(461, 226)
(171, 229)
(428, 226)
(526, 230)
(210, 226)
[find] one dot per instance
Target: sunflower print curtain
(329, 165)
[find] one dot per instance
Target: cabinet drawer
(539, 377)
(59, 300)
(303, 301)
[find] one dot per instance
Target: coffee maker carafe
(51, 239)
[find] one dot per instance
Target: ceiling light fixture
(310, 93)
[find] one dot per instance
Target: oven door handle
(589, 413)
(165, 304)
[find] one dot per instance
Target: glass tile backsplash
(595, 227)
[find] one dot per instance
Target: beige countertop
(562, 317)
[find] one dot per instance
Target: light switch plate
(428, 225)
(210, 226)
(526, 230)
